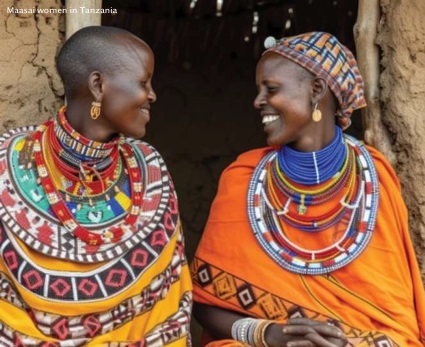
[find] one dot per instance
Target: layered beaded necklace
(343, 169)
(79, 175)
(68, 162)
(312, 168)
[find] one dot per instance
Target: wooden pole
(365, 32)
(77, 18)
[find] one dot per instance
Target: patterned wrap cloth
(324, 56)
(377, 300)
(56, 290)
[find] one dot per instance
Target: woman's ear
(319, 87)
(96, 85)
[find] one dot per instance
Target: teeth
(144, 110)
(270, 118)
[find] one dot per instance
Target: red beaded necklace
(81, 174)
(42, 136)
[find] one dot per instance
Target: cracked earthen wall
(402, 40)
(30, 89)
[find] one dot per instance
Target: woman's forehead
(136, 55)
(273, 64)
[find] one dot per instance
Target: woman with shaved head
(91, 244)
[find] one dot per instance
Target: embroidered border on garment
(174, 328)
(260, 303)
(83, 327)
(103, 282)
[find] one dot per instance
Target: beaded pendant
(361, 209)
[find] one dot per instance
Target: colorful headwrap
(324, 56)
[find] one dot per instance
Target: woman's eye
(271, 89)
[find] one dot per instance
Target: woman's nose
(151, 95)
(259, 100)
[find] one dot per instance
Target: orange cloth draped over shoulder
(377, 299)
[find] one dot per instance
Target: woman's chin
(272, 142)
(136, 134)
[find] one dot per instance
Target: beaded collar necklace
(84, 177)
(79, 146)
(44, 138)
(271, 192)
(311, 168)
(279, 191)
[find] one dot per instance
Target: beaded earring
(95, 110)
(317, 114)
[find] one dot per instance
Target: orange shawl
(378, 299)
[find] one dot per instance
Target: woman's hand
(297, 332)
(303, 332)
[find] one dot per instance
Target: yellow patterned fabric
(56, 290)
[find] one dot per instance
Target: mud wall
(402, 40)
(30, 89)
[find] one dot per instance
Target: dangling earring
(95, 110)
(317, 114)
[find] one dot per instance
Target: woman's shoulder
(250, 159)
(7, 136)
(146, 149)
(139, 143)
(384, 169)
(240, 171)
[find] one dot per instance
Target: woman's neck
(314, 167)
(78, 146)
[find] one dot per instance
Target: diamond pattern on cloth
(256, 302)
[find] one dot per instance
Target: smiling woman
(91, 244)
(119, 79)
(307, 241)
(284, 93)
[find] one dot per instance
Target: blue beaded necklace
(311, 168)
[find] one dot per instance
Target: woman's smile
(145, 111)
(269, 118)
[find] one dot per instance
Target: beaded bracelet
(241, 329)
(251, 331)
(260, 333)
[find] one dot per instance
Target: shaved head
(94, 48)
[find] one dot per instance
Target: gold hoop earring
(95, 110)
(317, 114)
